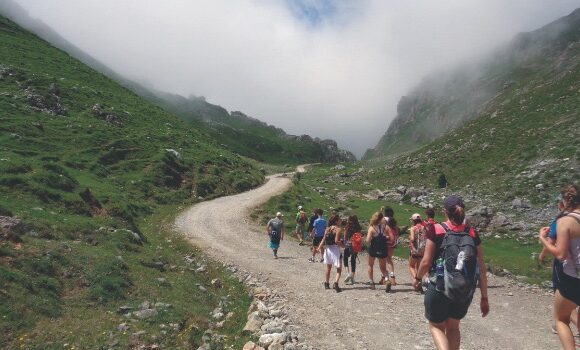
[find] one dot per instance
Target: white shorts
(332, 255)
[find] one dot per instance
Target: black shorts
(568, 286)
(439, 308)
(377, 253)
(316, 241)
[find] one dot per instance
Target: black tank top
(330, 237)
(379, 242)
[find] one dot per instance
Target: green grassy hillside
(84, 163)
(245, 135)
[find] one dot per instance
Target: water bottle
(460, 259)
(440, 274)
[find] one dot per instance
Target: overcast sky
(332, 69)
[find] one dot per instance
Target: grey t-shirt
(276, 225)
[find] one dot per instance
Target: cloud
(333, 69)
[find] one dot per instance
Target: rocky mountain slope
(84, 164)
(533, 63)
(246, 135)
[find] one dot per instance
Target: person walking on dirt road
(301, 220)
(377, 249)
(446, 301)
(350, 251)
(567, 250)
(390, 224)
(275, 229)
(332, 257)
(318, 230)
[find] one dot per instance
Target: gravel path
(357, 318)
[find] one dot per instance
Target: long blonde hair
(376, 218)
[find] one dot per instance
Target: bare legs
(382, 267)
(390, 266)
(563, 309)
(446, 335)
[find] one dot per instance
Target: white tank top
(572, 263)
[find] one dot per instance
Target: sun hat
(415, 216)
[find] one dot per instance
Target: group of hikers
(444, 258)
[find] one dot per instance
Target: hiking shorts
(568, 286)
(439, 308)
(301, 230)
(274, 245)
(316, 241)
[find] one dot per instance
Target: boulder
(519, 203)
(252, 346)
(254, 323)
(11, 228)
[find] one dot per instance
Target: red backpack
(356, 241)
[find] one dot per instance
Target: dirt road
(357, 318)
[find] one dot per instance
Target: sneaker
(336, 287)
(321, 260)
(388, 287)
(393, 281)
(326, 285)
(348, 279)
(554, 329)
(311, 260)
(382, 281)
(372, 285)
(352, 280)
(275, 256)
(301, 243)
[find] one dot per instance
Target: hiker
(430, 216)
(318, 230)
(377, 248)
(390, 224)
(332, 256)
(353, 245)
(275, 229)
(567, 273)
(574, 317)
(446, 300)
(301, 219)
(417, 242)
(311, 222)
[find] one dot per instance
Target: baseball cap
(300, 207)
(416, 216)
(279, 214)
(451, 202)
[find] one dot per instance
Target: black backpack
(274, 236)
(459, 283)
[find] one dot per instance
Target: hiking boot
(326, 285)
(336, 287)
(388, 287)
(393, 281)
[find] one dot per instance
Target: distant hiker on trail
(377, 249)
(430, 217)
(390, 224)
(275, 229)
(567, 273)
(453, 255)
(332, 257)
(353, 245)
(417, 242)
(318, 230)
(301, 220)
(311, 222)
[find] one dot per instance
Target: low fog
(332, 69)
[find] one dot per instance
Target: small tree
(442, 181)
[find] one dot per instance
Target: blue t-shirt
(319, 227)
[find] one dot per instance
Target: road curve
(357, 318)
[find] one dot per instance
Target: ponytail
(457, 216)
(571, 197)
